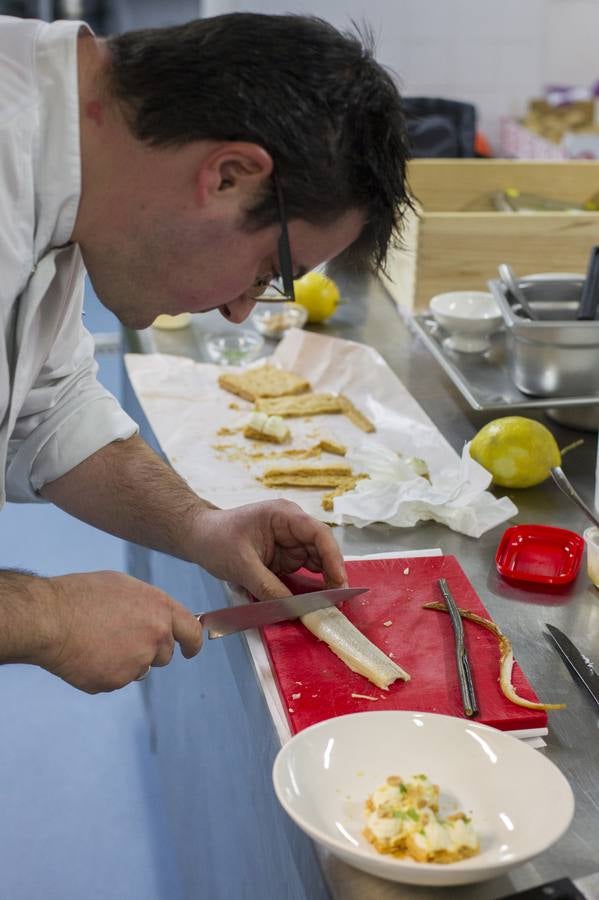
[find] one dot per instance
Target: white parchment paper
(187, 409)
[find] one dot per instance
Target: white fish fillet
(350, 645)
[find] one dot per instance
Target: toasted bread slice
(265, 381)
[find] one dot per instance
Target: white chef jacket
(53, 412)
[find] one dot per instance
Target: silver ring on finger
(144, 675)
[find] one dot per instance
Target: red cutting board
(315, 685)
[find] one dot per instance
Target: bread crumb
(364, 697)
(295, 696)
(290, 710)
(406, 571)
(388, 622)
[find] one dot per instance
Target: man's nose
(238, 310)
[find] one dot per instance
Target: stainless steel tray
(483, 379)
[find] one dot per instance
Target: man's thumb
(264, 584)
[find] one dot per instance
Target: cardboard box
(457, 240)
(521, 143)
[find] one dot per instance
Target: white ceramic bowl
(470, 317)
(172, 323)
(519, 801)
(554, 276)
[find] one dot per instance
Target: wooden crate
(449, 247)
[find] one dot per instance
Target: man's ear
(237, 166)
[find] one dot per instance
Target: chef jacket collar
(57, 156)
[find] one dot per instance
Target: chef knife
(220, 622)
(581, 664)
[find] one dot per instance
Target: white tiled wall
(494, 53)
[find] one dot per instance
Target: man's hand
(251, 545)
(108, 628)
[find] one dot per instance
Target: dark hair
(313, 97)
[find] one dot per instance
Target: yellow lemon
(518, 452)
(318, 294)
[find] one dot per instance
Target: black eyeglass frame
(284, 251)
(283, 246)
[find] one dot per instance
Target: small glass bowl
(273, 320)
(233, 348)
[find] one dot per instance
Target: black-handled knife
(580, 664)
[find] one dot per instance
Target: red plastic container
(541, 554)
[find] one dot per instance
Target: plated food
(403, 819)
(519, 801)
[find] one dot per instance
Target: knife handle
(561, 889)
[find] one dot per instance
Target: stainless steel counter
(370, 316)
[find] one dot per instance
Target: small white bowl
(519, 801)
(233, 348)
(470, 317)
(273, 320)
(172, 323)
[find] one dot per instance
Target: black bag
(438, 127)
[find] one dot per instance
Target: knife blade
(220, 622)
(581, 665)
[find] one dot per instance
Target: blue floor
(81, 816)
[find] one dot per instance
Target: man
(166, 162)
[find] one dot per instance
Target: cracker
(307, 476)
(305, 405)
(254, 435)
(264, 381)
(328, 500)
(328, 445)
(314, 405)
(354, 415)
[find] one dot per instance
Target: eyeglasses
(279, 289)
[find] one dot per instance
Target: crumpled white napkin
(456, 496)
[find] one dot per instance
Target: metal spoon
(564, 485)
(509, 279)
